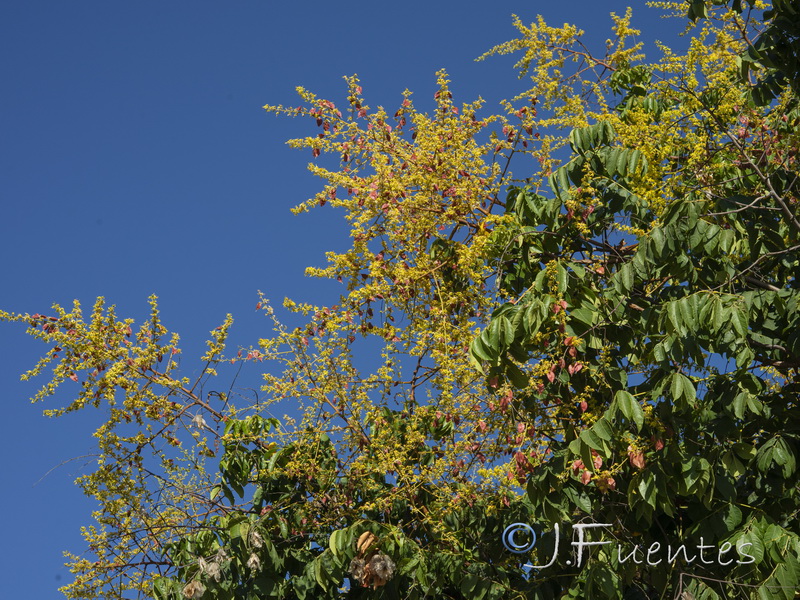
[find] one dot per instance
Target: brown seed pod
(381, 568)
(365, 541)
(357, 566)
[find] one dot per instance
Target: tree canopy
(569, 339)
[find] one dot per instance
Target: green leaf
(744, 451)
(273, 460)
(624, 279)
(592, 440)
(733, 516)
(637, 159)
(283, 526)
(749, 544)
(561, 278)
(215, 491)
(786, 576)
(162, 588)
(480, 351)
(682, 387)
(580, 500)
(739, 404)
(515, 375)
(337, 541)
(673, 312)
(602, 428)
(783, 456)
(719, 315)
(584, 315)
(688, 317)
(739, 321)
(657, 241)
(321, 575)
(744, 358)
(471, 588)
(630, 408)
(647, 488)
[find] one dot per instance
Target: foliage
(608, 338)
(773, 57)
(665, 329)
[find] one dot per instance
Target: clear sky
(135, 158)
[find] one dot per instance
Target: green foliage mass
(689, 342)
(606, 349)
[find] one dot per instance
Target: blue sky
(136, 159)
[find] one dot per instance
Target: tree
(655, 292)
(609, 340)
